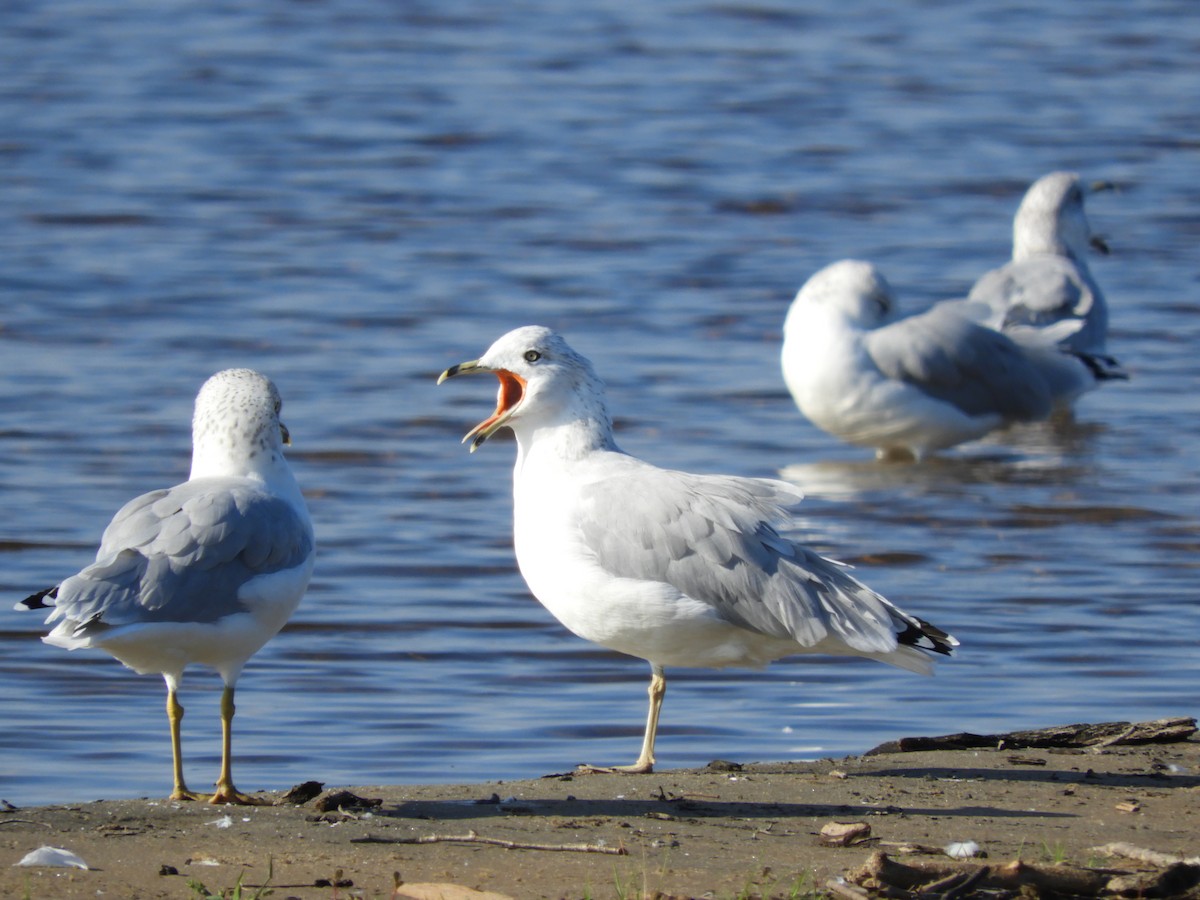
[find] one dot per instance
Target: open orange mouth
(512, 390)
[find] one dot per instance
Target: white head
(851, 288)
(236, 428)
(544, 386)
(1051, 219)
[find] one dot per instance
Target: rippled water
(352, 195)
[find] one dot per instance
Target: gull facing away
(907, 386)
(1047, 283)
(204, 572)
(674, 568)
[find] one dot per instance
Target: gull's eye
(532, 356)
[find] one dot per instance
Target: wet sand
(723, 831)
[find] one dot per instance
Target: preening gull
(1047, 282)
(674, 568)
(905, 386)
(204, 572)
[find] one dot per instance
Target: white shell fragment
(51, 856)
(962, 849)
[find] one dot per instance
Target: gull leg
(175, 716)
(226, 792)
(657, 690)
(645, 760)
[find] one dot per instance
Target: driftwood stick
(965, 887)
(954, 883)
(881, 871)
(472, 838)
(1141, 854)
(1058, 879)
(1176, 880)
(845, 890)
(1104, 734)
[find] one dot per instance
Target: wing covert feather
(714, 539)
(953, 359)
(184, 554)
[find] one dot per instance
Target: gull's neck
(562, 442)
(1042, 231)
(1044, 240)
(566, 423)
(221, 454)
(266, 466)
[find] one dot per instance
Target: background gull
(204, 572)
(1047, 283)
(674, 568)
(905, 386)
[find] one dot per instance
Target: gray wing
(953, 359)
(182, 555)
(1038, 292)
(714, 539)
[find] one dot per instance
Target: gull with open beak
(674, 568)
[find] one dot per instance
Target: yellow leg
(175, 716)
(645, 760)
(226, 792)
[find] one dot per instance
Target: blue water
(351, 196)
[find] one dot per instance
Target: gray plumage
(952, 359)
(182, 554)
(714, 538)
(203, 572)
(1047, 283)
(1040, 292)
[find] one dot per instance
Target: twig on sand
(472, 838)
(1118, 738)
(1141, 854)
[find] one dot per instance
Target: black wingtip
(1103, 368)
(922, 635)
(38, 600)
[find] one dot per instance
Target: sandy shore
(726, 831)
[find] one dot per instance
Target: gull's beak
(465, 368)
(285, 434)
(512, 391)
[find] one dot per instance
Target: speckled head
(236, 428)
(544, 384)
